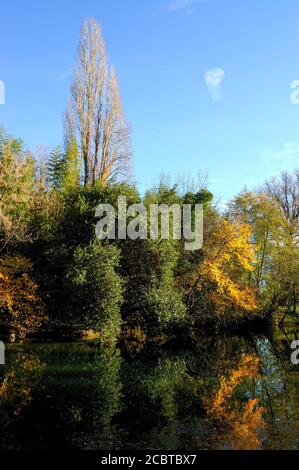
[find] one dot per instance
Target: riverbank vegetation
(56, 275)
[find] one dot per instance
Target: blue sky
(206, 84)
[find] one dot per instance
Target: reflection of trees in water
(107, 386)
(162, 386)
(238, 380)
(217, 393)
(70, 404)
(16, 391)
(273, 387)
(157, 399)
(135, 395)
(279, 391)
(232, 410)
(105, 393)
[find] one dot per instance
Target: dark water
(218, 392)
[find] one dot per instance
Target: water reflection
(231, 392)
(234, 405)
(16, 393)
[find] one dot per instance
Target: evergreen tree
(96, 289)
(56, 168)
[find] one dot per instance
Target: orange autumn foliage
(20, 305)
(247, 425)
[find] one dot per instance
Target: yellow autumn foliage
(229, 257)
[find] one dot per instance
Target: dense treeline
(54, 272)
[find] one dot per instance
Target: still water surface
(218, 392)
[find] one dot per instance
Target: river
(215, 391)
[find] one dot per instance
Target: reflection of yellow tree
(16, 387)
(244, 421)
(134, 340)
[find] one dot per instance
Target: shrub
(96, 289)
(20, 305)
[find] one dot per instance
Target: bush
(151, 297)
(95, 289)
(21, 307)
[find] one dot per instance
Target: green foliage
(162, 301)
(151, 296)
(16, 194)
(163, 194)
(248, 264)
(105, 373)
(16, 146)
(96, 288)
(277, 257)
(163, 384)
(71, 177)
(56, 168)
(63, 167)
(202, 197)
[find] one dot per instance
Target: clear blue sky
(240, 132)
